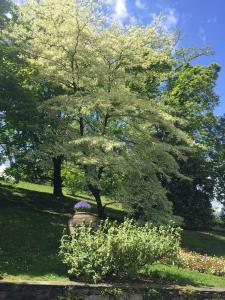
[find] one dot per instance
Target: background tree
(193, 98)
(16, 106)
(218, 162)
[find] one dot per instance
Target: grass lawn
(31, 225)
(185, 276)
(211, 243)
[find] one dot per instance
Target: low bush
(117, 250)
(202, 263)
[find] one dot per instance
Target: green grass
(31, 225)
(211, 243)
(113, 210)
(184, 276)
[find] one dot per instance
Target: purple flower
(82, 205)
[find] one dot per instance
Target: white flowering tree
(112, 101)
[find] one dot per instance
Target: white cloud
(109, 2)
(119, 8)
(140, 4)
(133, 20)
(202, 34)
(19, 1)
(171, 18)
(153, 15)
(212, 20)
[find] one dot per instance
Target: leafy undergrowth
(32, 223)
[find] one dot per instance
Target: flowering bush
(82, 206)
(201, 263)
(117, 250)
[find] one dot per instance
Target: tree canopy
(120, 103)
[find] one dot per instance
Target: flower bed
(202, 263)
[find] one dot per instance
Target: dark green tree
(192, 96)
(218, 163)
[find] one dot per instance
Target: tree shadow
(32, 225)
(29, 242)
(210, 243)
(21, 197)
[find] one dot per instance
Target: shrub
(201, 263)
(116, 250)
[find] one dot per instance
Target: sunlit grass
(184, 276)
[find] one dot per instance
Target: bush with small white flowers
(116, 250)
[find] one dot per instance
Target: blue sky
(202, 23)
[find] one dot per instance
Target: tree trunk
(96, 193)
(57, 178)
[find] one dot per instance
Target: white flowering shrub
(6, 177)
(117, 250)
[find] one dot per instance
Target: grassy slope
(32, 222)
(31, 225)
(211, 243)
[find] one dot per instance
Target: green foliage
(73, 179)
(192, 196)
(222, 217)
(140, 189)
(111, 250)
(18, 104)
(192, 97)
(6, 8)
(116, 292)
(218, 165)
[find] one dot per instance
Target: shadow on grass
(31, 226)
(211, 243)
(21, 197)
(29, 242)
